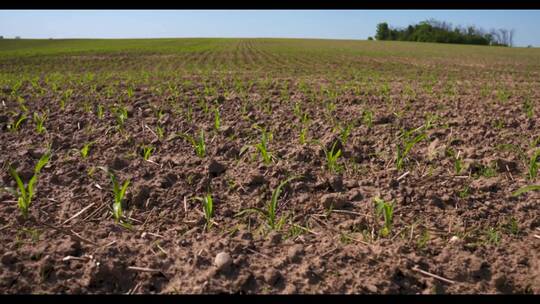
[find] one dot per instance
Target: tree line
(443, 32)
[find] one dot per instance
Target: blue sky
(337, 24)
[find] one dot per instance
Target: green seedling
(345, 133)
(493, 236)
(208, 208)
(217, 119)
(367, 118)
(160, 132)
(15, 126)
(464, 193)
(121, 116)
(303, 135)
(119, 193)
(40, 120)
(528, 108)
(526, 189)
(147, 151)
(270, 214)
(85, 150)
(262, 146)
(99, 112)
(332, 158)
(404, 148)
(26, 193)
(198, 144)
(533, 165)
(386, 209)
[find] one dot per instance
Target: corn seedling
(332, 158)
(345, 133)
(147, 151)
(528, 108)
(85, 150)
(493, 236)
(208, 208)
(270, 214)
(367, 118)
(119, 193)
(533, 165)
(262, 146)
(198, 144)
(16, 125)
(526, 189)
(121, 116)
(26, 193)
(39, 120)
(217, 119)
(386, 209)
(160, 132)
(403, 148)
(99, 112)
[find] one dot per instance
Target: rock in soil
(223, 261)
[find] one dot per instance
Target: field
(268, 166)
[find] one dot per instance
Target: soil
(451, 232)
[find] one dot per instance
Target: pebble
(223, 261)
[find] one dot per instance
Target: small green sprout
(86, 149)
(40, 120)
(119, 193)
(99, 112)
(271, 213)
(386, 209)
(526, 189)
(262, 146)
(208, 208)
(367, 118)
(198, 144)
(121, 115)
(533, 165)
(403, 148)
(147, 151)
(332, 157)
(217, 119)
(18, 122)
(26, 193)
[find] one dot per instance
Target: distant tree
(439, 31)
(1, 37)
(383, 31)
(369, 38)
(17, 37)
